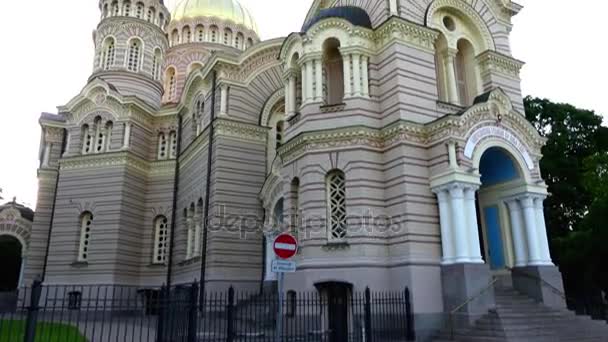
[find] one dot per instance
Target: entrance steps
(517, 318)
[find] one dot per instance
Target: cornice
(241, 130)
(117, 159)
(494, 62)
(401, 30)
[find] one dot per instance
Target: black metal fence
(128, 313)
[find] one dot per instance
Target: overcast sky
(47, 56)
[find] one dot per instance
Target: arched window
(161, 21)
(249, 43)
(171, 82)
(115, 8)
(87, 140)
(466, 80)
(161, 240)
(134, 55)
(227, 36)
(162, 146)
(336, 205)
(200, 33)
(175, 37)
(105, 11)
(187, 34)
(100, 135)
(173, 144)
(108, 128)
(280, 127)
(156, 63)
(199, 109)
(150, 15)
(191, 237)
(86, 225)
(126, 11)
(213, 33)
(194, 66)
(239, 40)
(139, 10)
(333, 72)
(107, 53)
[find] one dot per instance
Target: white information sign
(283, 266)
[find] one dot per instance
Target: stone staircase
(521, 319)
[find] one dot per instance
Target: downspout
(208, 191)
(175, 192)
(48, 239)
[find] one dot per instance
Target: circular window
(448, 22)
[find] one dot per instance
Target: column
(304, 94)
(393, 7)
(517, 232)
(472, 225)
(450, 72)
(459, 224)
(532, 236)
(452, 155)
(293, 97)
(310, 95)
(127, 136)
(347, 86)
(287, 97)
(541, 230)
(318, 80)
(365, 75)
(447, 240)
(47, 154)
(223, 100)
(357, 74)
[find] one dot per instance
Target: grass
(14, 330)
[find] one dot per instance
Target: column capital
(457, 187)
(513, 204)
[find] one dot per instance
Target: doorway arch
(11, 254)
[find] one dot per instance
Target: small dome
(355, 15)
(230, 10)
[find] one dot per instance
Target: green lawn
(13, 331)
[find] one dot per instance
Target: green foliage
(14, 330)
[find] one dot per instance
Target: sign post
(285, 246)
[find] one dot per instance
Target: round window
(448, 22)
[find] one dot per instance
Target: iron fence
(177, 314)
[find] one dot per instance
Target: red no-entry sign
(285, 246)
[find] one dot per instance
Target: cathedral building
(388, 135)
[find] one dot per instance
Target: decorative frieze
(398, 29)
(118, 159)
(494, 62)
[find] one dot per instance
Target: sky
(48, 56)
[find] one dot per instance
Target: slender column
(445, 221)
(541, 230)
(127, 136)
(292, 95)
(318, 80)
(304, 94)
(452, 155)
(347, 86)
(450, 72)
(47, 154)
(517, 231)
(530, 221)
(310, 95)
(224, 100)
(287, 97)
(459, 224)
(365, 75)
(357, 74)
(472, 225)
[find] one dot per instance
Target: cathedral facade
(388, 135)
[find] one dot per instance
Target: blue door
(495, 246)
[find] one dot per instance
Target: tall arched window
(336, 205)
(105, 11)
(174, 37)
(239, 40)
(139, 10)
(227, 36)
(86, 225)
(162, 146)
(126, 11)
(171, 83)
(161, 240)
(107, 53)
(156, 63)
(87, 140)
(249, 43)
(213, 30)
(161, 21)
(151, 14)
(173, 144)
(333, 72)
(134, 55)
(115, 8)
(200, 33)
(100, 135)
(108, 128)
(187, 34)
(466, 80)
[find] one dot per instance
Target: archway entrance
(10, 254)
(337, 294)
(499, 175)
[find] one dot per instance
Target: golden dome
(230, 10)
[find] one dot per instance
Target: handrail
(469, 300)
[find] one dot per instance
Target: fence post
(192, 314)
(229, 318)
(160, 322)
(368, 315)
(32, 312)
(411, 333)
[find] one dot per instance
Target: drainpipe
(175, 192)
(207, 192)
(48, 239)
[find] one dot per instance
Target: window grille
(162, 146)
(161, 240)
(139, 11)
(173, 144)
(134, 55)
(86, 222)
(336, 202)
(108, 54)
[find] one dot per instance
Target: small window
(87, 140)
(108, 142)
(139, 11)
(173, 144)
(161, 240)
(156, 62)
(107, 53)
(86, 225)
(187, 34)
(449, 23)
(336, 205)
(74, 300)
(115, 8)
(100, 135)
(249, 43)
(162, 146)
(200, 33)
(171, 82)
(214, 30)
(127, 9)
(280, 126)
(134, 55)
(227, 36)
(175, 37)
(150, 14)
